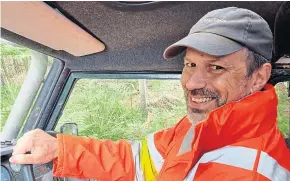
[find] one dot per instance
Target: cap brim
(208, 43)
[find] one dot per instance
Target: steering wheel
(27, 169)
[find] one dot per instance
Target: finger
(29, 133)
(23, 145)
(25, 138)
(26, 159)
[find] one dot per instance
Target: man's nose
(197, 80)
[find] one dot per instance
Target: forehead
(236, 57)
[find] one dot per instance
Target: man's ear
(261, 77)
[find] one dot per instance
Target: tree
(143, 94)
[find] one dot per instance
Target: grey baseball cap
(225, 31)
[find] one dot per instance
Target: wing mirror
(69, 128)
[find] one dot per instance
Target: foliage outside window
(112, 108)
(15, 62)
(283, 107)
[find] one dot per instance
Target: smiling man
(224, 48)
(229, 132)
(210, 82)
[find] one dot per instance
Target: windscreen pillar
(26, 96)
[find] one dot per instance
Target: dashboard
(5, 175)
(41, 173)
(12, 172)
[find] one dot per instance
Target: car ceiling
(136, 34)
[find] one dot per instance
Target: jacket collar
(236, 121)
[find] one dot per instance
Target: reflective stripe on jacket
(239, 141)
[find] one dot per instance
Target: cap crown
(240, 25)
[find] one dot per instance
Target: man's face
(210, 82)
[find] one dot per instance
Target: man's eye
(190, 64)
(216, 67)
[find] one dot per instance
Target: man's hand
(42, 147)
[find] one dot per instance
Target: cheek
(184, 79)
(225, 85)
(220, 84)
(232, 86)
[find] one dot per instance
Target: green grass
(15, 62)
(110, 109)
(8, 96)
(283, 111)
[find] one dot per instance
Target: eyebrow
(209, 60)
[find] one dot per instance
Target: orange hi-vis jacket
(239, 141)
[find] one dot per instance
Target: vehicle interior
(121, 40)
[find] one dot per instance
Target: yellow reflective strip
(148, 168)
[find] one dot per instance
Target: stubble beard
(197, 115)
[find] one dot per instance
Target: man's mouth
(201, 100)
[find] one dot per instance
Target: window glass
(15, 64)
(283, 107)
(115, 109)
(124, 109)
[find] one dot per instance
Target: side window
(22, 75)
(123, 109)
(130, 109)
(283, 107)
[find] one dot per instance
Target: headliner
(135, 36)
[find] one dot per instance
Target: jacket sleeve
(88, 158)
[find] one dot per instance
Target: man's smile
(201, 103)
(202, 99)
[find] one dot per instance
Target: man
(230, 130)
